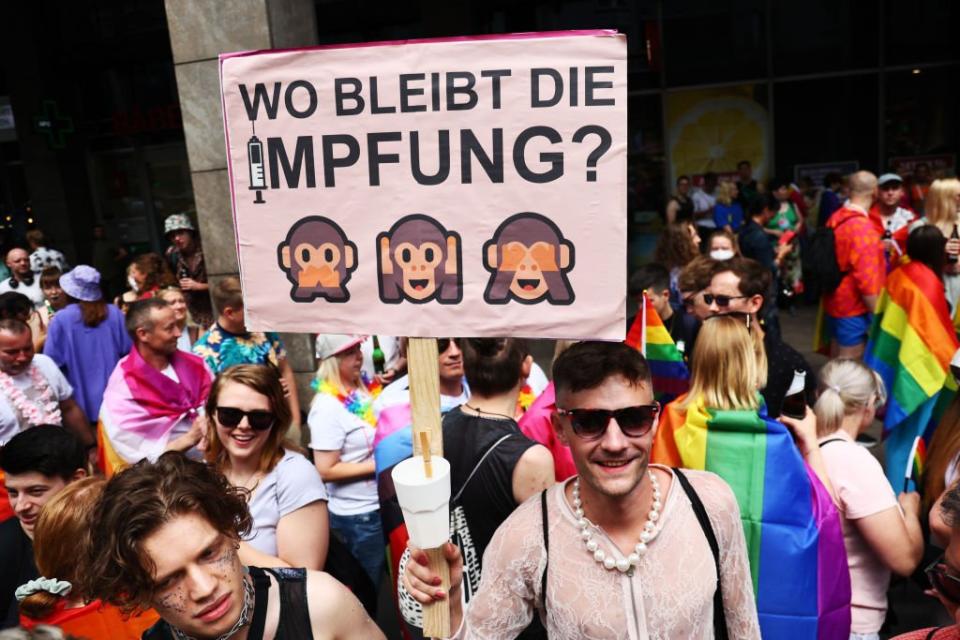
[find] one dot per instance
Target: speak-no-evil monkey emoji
(318, 260)
(528, 260)
(419, 261)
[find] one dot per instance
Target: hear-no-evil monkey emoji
(528, 260)
(419, 261)
(318, 260)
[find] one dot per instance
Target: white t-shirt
(293, 483)
(9, 422)
(398, 392)
(32, 291)
(333, 428)
(703, 201)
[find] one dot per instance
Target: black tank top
(294, 613)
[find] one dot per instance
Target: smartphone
(794, 406)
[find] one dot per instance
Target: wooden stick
(425, 447)
(422, 356)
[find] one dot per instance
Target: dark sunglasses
(722, 300)
(259, 420)
(591, 424)
(444, 343)
(940, 579)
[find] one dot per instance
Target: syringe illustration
(258, 180)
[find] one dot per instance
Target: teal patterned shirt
(221, 349)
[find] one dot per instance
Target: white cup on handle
(425, 502)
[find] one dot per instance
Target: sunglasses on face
(258, 419)
(591, 424)
(721, 300)
(444, 343)
(940, 579)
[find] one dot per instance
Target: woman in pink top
(880, 536)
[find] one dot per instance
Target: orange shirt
(96, 621)
(859, 248)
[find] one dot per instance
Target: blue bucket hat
(82, 283)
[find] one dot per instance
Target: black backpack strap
(546, 549)
(719, 615)
(825, 442)
(933, 632)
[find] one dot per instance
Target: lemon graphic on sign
(714, 135)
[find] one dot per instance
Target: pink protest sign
(470, 187)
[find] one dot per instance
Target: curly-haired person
(165, 536)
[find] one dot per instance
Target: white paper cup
(425, 501)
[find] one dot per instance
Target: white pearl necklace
(649, 532)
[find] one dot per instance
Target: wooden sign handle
(424, 372)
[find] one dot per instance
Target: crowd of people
(160, 479)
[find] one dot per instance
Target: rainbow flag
(915, 463)
(667, 368)
(795, 544)
(911, 343)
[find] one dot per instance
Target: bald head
(863, 184)
(18, 261)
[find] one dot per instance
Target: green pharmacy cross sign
(53, 125)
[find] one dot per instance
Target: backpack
(821, 270)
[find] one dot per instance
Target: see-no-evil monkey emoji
(419, 261)
(318, 260)
(528, 260)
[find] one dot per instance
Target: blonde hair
(940, 205)
(729, 364)
(58, 538)
(847, 386)
(329, 370)
(725, 191)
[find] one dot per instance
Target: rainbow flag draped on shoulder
(667, 368)
(142, 407)
(797, 559)
(911, 343)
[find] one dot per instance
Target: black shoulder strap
(546, 549)
(933, 632)
(476, 467)
(294, 607)
(261, 596)
(719, 615)
(825, 442)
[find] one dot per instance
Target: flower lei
(525, 399)
(43, 410)
(357, 402)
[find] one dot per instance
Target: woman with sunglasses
(248, 418)
(342, 428)
(791, 524)
(879, 534)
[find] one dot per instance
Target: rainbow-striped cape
(794, 540)
(667, 368)
(910, 345)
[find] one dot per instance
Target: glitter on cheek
(175, 601)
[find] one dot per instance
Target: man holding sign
(617, 550)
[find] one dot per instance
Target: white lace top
(669, 596)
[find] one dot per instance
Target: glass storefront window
(921, 31)
(826, 120)
(709, 41)
(824, 36)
